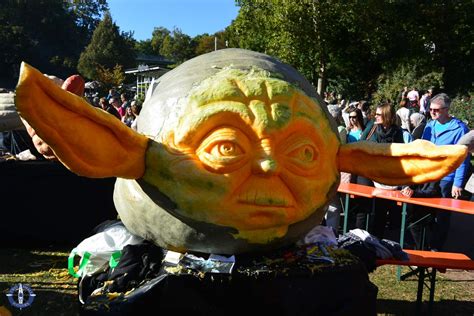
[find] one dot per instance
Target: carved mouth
(264, 215)
(266, 202)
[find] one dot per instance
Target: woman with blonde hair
(385, 130)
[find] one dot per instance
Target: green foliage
(323, 41)
(355, 45)
(107, 48)
(251, 30)
(88, 15)
(391, 84)
(157, 39)
(49, 35)
(144, 47)
(110, 78)
(462, 107)
(206, 43)
(177, 46)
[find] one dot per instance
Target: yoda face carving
(235, 153)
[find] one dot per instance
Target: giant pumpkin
(235, 152)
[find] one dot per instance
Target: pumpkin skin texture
(234, 154)
(243, 157)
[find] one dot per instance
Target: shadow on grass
(45, 272)
(21, 261)
(443, 307)
(47, 302)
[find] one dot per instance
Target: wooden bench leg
(424, 272)
(410, 273)
(432, 290)
(346, 214)
(419, 294)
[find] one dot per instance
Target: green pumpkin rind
(148, 212)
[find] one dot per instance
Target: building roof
(145, 69)
(155, 60)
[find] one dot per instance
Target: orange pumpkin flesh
(75, 130)
(250, 156)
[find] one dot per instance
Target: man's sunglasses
(436, 110)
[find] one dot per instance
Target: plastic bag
(101, 249)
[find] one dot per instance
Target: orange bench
(424, 260)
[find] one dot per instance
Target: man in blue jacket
(444, 129)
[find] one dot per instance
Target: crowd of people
(16, 142)
(414, 117)
(426, 117)
(119, 106)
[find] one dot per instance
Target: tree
(107, 49)
(51, 42)
(158, 37)
(449, 37)
(390, 84)
(144, 47)
(110, 77)
(309, 35)
(355, 45)
(206, 43)
(88, 15)
(178, 46)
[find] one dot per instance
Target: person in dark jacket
(421, 217)
(384, 130)
(418, 123)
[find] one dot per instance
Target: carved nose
(266, 166)
(265, 163)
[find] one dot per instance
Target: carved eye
(224, 150)
(305, 153)
(302, 155)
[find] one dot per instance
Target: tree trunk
(321, 80)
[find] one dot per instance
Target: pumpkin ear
(396, 164)
(87, 140)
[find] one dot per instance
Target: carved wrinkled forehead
(169, 99)
(253, 98)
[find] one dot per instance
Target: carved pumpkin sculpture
(235, 153)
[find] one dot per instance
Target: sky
(193, 17)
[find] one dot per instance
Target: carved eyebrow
(274, 115)
(236, 114)
(244, 94)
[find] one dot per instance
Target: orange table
(429, 259)
(356, 189)
(448, 204)
(424, 260)
(351, 190)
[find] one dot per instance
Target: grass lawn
(56, 294)
(454, 293)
